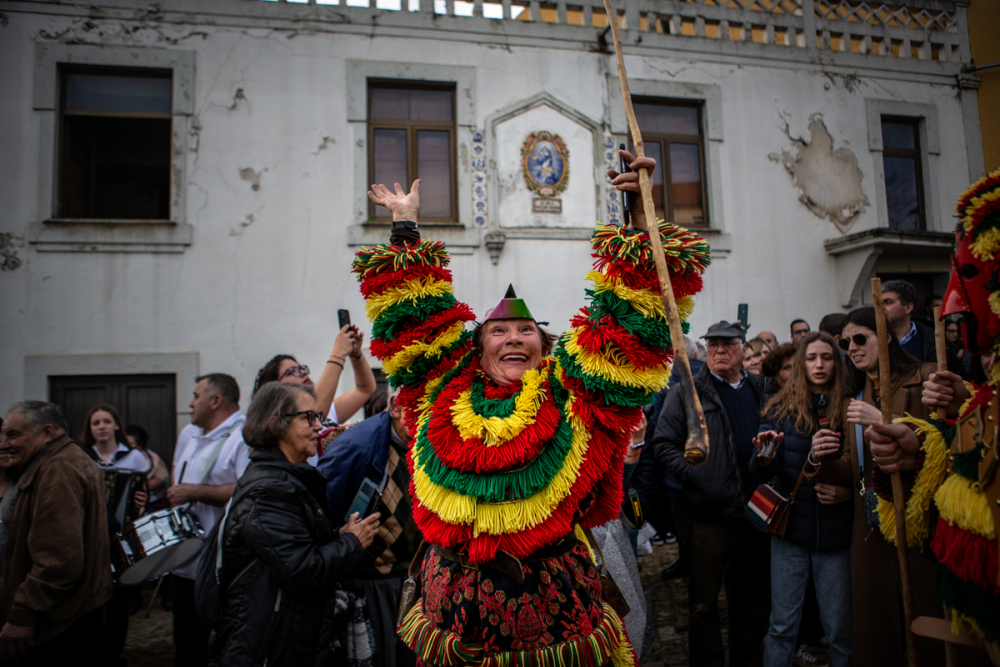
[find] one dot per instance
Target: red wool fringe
(970, 557)
(427, 330)
(627, 273)
(376, 284)
(597, 338)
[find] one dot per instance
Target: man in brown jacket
(54, 548)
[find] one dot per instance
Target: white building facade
(233, 242)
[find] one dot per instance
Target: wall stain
(829, 181)
(9, 259)
(252, 177)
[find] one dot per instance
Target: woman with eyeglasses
(878, 632)
(285, 368)
(282, 557)
(807, 418)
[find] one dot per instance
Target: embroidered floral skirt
(555, 617)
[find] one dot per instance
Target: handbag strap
(798, 483)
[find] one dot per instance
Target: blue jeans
(831, 571)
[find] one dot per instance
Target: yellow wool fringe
(647, 302)
(624, 655)
(962, 503)
(615, 368)
(403, 359)
(580, 535)
(928, 480)
(410, 290)
(494, 431)
(506, 517)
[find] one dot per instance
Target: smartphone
(343, 318)
(365, 501)
(742, 313)
(626, 196)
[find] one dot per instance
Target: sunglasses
(859, 339)
(311, 416)
(296, 371)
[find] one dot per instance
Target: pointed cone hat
(510, 308)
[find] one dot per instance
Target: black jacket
(811, 524)
(282, 560)
(715, 490)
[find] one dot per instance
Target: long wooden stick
(939, 340)
(696, 447)
(898, 501)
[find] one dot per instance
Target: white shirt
(194, 447)
(133, 460)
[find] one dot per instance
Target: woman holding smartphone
(805, 418)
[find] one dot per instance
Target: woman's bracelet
(637, 445)
(331, 361)
(809, 460)
(337, 356)
(355, 357)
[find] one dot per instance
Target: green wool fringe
(491, 407)
(652, 333)
(633, 397)
(398, 316)
(982, 606)
(966, 464)
(503, 486)
(416, 374)
(435, 646)
(683, 249)
(372, 261)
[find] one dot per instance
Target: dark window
(904, 196)
(672, 136)
(147, 400)
(411, 135)
(115, 144)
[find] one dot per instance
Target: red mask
(968, 295)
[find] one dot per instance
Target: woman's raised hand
(364, 530)
(344, 344)
(402, 205)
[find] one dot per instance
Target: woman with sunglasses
(285, 368)
(282, 558)
(878, 632)
(810, 410)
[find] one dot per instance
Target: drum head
(161, 562)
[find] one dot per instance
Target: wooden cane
(898, 501)
(939, 340)
(149, 609)
(696, 447)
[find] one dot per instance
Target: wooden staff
(898, 501)
(696, 447)
(939, 340)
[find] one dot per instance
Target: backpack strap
(218, 449)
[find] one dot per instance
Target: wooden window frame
(138, 72)
(664, 140)
(412, 127)
(914, 154)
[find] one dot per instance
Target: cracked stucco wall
(829, 180)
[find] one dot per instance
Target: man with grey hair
(375, 450)
(53, 543)
(209, 459)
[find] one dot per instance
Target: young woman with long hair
(810, 410)
(878, 630)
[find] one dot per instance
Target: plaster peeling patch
(829, 180)
(9, 261)
(252, 177)
(238, 97)
(327, 141)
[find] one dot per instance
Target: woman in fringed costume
(948, 462)
(516, 452)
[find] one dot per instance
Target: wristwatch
(399, 225)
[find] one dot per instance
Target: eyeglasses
(859, 339)
(311, 416)
(296, 371)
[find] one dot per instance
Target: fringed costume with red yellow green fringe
(510, 474)
(948, 506)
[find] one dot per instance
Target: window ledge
(461, 240)
(856, 255)
(133, 236)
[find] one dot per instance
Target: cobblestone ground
(667, 603)
(150, 641)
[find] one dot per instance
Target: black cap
(724, 329)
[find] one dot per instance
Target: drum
(156, 544)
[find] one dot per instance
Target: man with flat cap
(715, 496)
